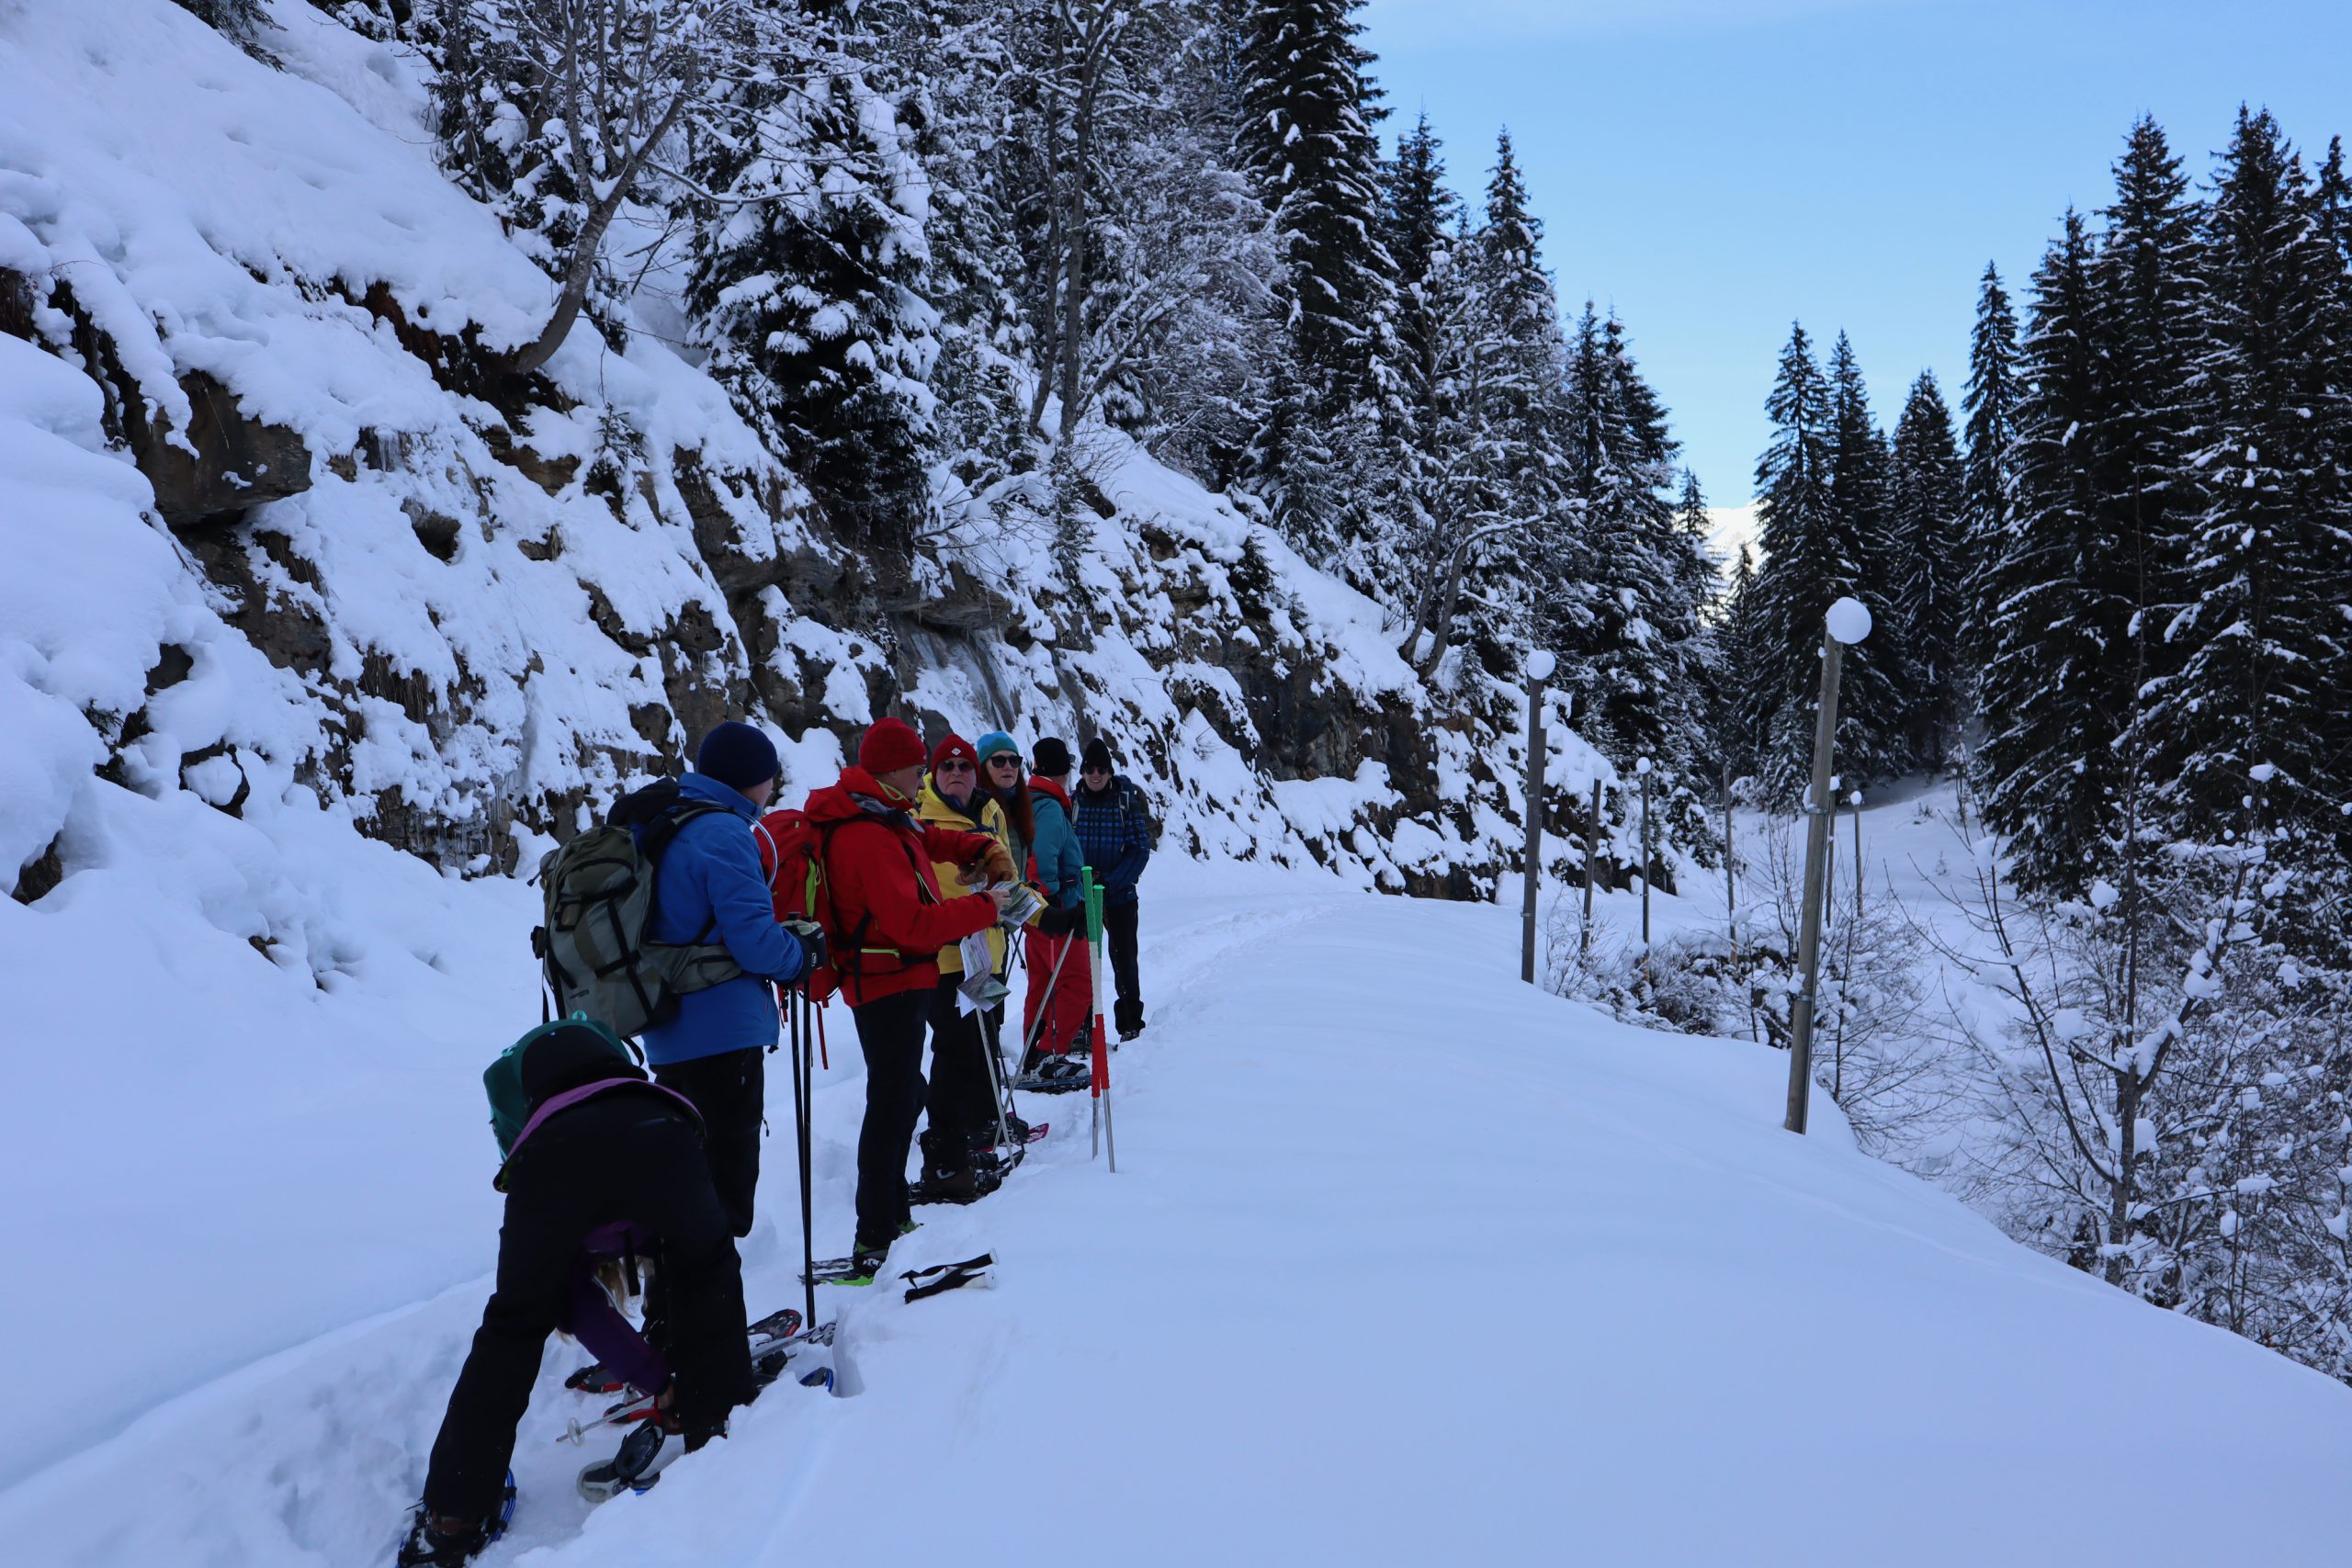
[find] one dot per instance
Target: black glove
(1062, 919)
(812, 937)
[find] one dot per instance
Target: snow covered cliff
(284, 538)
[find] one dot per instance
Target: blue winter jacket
(1056, 849)
(710, 889)
(1115, 834)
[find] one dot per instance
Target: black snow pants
(1119, 937)
(618, 1156)
(890, 1035)
(730, 1090)
(963, 1095)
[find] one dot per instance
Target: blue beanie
(994, 741)
(738, 756)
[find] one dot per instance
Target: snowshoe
(425, 1547)
(783, 1325)
(639, 1464)
(858, 1269)
(967, 1186)
(1056, 1075)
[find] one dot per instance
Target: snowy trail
(1404, 1263)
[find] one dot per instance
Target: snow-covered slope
(1404, 1263)
(469, 605)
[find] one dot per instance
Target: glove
(996, 865)
(813, 953)
(1061, 919)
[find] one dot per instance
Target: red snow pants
(1065, 1010)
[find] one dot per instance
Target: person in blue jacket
(1115, 832)
(713, 1050)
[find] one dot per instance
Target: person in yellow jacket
(961, 1098)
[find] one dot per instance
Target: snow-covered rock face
(280, 529)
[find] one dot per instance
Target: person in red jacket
(886, 918)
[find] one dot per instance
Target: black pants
(963, 1095)
(1119, 936)
(890, 1033)
(618, 1156)
(731, 1089)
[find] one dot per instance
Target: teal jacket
(1056, 852)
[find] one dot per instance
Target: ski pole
(990, 1040)
(1098, 1116)
(803, 1093)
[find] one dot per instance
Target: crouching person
(600, 1148)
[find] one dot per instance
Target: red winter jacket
(886, 918)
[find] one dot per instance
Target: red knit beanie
(888, 745)
(954, 746)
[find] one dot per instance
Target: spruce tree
(1805, 567)
(2047, 768)
(1988, 481)
(2147, 303)
(808, 283)
(1928, 566)
(1874, 702)
(1307, 136)
(1739, 646)
(2253, 731)
(1418, 213)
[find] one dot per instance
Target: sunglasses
(953, 765)
(1004, 760)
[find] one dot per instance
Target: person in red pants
(1059, 999)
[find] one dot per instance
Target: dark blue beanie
(737, 756)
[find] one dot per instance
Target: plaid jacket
(1115, 834)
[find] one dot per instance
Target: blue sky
(1716, 168)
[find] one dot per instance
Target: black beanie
(737, 755)
(1097, 754)
(1051, 759)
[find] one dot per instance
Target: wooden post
(1592, 866)
(1539, 670)
(1642, 770)
(1819, 814)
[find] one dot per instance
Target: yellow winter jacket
(934, 807)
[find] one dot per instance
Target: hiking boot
(438, 1541)
(945, 1157)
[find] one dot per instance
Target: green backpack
(510, 1109)
(598, 888)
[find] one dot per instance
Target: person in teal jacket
(1061, 992)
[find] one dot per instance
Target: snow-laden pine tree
(1988, 480)
(1735, 709)
(1529, 580)
(1804, 568)
(1875, 700)
(1928, 565)
(2146, 294)
(1307, 137)
(2252, 729)
(1418, 213)
(2047, 766)
(1639, 656)
(809, 275)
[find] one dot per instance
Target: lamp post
(1846, 623)
(1540, 666)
